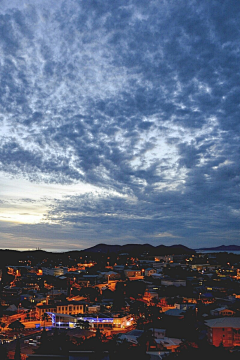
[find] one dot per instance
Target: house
(160, 340)
(164, 258)
(149, 295)
(158, 333)
(225, 330)
(157, 276)
(110, 275)
(176, 313)
(132, 273)
(185, 306)
(222, 311)
(204, 267)
(132, 336)
(150, 271)
(93, 308)
(12, 308)
(226, 312)
(118, 268)
(170, 344)
(173, 282)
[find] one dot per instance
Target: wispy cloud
(126, 114)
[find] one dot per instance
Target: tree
(135, 288)
(153, 313)
(191, 350)
(17, 355)
(91, 293)
(16, 325)
(53, 345)
(113, 346)
(127, 351)
(44, 343)
(97, 346)
(3, 353)
(44, 318)
(146, 340)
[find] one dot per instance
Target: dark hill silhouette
(223, 248)
(12, 257)
(140, 249)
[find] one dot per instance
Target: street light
(18, 307)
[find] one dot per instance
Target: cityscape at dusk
(119, 123)
(119, 179)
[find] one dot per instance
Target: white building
(57, 271)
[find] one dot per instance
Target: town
(101, 303)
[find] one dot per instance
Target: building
(150, 295)
(158, 333)
(164, 258)
(110, 275)
(96, 321)
(71, 308)
(176, 313)
(57, 271)
(170, 344)
(204, 267)
(67, 308)
(94, 308)
(62, 320)
(150, 271)
(132, 336)
(129, 273)
(173, 282)
(42, 309)
(222, 311)
(225, 330)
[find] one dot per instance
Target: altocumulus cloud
(137, 101)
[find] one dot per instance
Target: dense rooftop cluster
(113, 302)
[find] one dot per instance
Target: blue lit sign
(100, 320)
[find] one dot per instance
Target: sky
(120, 123)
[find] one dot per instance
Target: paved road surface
(25, 348)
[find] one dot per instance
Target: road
(25, 348)
(32, 324)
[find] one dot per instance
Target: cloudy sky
(119, 122)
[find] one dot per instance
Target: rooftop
(233, 322)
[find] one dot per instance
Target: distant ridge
(8, 256)
(140, 249)
(223, 248)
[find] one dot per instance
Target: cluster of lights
(110, 320)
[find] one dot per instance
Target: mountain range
(137, 249)
(223, 248)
